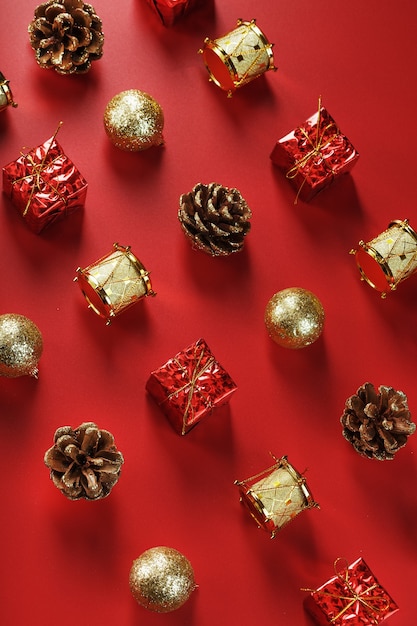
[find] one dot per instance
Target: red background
(68, 562)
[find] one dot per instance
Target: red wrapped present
(44, 185)
(190, 385)
(169, 11)
(313, 155)
(353, 597)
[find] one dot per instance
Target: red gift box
(44, 185)
(353, 597)
(313, 155)
(190, 385)
(169, 11)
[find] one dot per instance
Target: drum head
(219, 72)
(371, 270)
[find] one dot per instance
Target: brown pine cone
(377, 424)
(215, 218)
(66, 36)
(84, 462)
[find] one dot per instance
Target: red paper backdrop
(68, 562)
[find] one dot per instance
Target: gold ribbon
(316, 147)
(191, 383)
(371, 605)
(37, 173)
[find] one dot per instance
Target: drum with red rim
(389, 258)
(238, 57)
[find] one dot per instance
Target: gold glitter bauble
(134, 121)
(294, 318)
(21, 346)
(161, 579)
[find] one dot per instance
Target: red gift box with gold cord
(190, 385)
(353, 597)
(44, 185)
(314, 154)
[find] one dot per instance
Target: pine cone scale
(90, 441)
(82, 18)
(89, 482)
(83, 36)
(63, 441)
(51, 11)
(72, 452)
(71, 477)
(56, 460)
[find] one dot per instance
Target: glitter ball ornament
(134, 121)
(161, 579)
(21, 346)
(294, 318)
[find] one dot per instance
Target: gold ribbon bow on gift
(317, 146)
(191, 383)
(371, 605)
(37, 169)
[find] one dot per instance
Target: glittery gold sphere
(134, 121)
(21, 346)
(294, 318)
(161, 579)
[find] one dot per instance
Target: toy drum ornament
(114, 282)
(6, 96)
(388, 259)
(276, 495)
(238, 57)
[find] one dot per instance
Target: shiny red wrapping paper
(169, 11)
(314, 154)
(190, 385)
(353, 597)
(44, 185)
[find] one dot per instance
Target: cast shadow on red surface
(339, 205)
(128, 166)
(135, 319)
(52, 90)
(397, 311)
(91, 528)
(297, 537)
(220, 276)
(4, 124)
(337, 208)
(246, 103)
(62, 235)
(17, 398)
(184, 616)
(214, 432)
(309, 365)
(385, 483)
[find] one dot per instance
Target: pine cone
(377, 424)
(66, 36)
(84, 462)
(215, 218)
